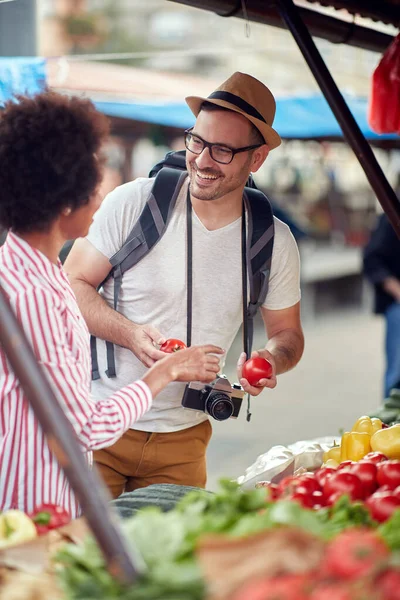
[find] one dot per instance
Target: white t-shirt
(154, 291)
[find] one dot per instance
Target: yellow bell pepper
(331, 463)
(15, 527)
(354, 445)
(332, 454)
(367, 425)
(387, 441)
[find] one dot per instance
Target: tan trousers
(142, 458)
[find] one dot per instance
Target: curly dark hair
(50, 158)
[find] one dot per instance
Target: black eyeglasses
(219, 153)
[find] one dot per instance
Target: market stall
(317, 520)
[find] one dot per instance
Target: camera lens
(219, 406)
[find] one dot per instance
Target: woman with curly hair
(51, 167)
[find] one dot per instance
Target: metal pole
(351, 130)
(89, 489)
(319, 25)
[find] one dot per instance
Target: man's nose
(204, 159)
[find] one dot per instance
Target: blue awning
(21, 75)
(296, 117)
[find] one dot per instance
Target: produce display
(368, 434)
(187, 550)
(329, 533)
(17, 527)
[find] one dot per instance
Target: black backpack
(169, 176)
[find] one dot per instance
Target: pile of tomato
(356, 565)
(375, 480)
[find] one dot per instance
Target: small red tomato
(367, 473)
(308, 482)
(333, 498)
(375, 457)
(345, 464)
(49, 516)
(389, 473)
(303, 497)
(287, 485)
(345, 483)
(322, 474)
(353, 553)
(172, 345)
(389, 585)
(255, 369)
(382, 505)
(273, 491)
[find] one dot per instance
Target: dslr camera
(219, 399)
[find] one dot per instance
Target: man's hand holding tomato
(270, 382)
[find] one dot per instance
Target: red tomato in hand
(382, 505)
(345, 483)
(255, 369)
(389, 473)
(172, 345)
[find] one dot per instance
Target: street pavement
(338, 379)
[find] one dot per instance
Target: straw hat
(247, 96)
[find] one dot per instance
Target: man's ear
(259, 156)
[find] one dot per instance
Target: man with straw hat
(231, 138)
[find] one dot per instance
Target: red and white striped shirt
(44, 303)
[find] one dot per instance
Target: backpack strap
(146, 232)
(260, 241)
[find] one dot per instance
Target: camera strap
(189, 287)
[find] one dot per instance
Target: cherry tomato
(172, 345)
(273, 491)
(367, 472)
(353, 553)
(333, 498)
(389, 585)
(255, 369)
(322, 474)
(345, 464)
(345, 483)
(375, 457)
(308, 482)
(382, 505)
(389, 473)
(49, 516)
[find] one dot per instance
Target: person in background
(231, 138)
(381, 263)
(51, 167)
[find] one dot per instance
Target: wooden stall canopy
(322, 25)
(303, 23)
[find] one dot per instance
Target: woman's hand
(197, 363)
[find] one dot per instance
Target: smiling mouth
(206, 177)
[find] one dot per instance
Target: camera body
(219, 399)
